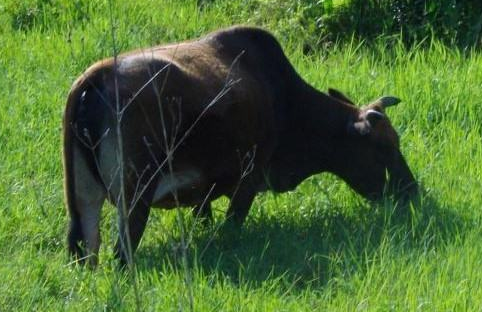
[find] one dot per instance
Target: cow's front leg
(136, 221)
(241, 201)
(203, 213)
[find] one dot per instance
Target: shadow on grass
(310, 252)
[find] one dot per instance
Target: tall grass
(321, 247)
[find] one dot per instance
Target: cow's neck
(314, 113)
(323, 114)
(309, 141)
(319, 122)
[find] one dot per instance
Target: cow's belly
(181, 188)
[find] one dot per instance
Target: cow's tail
(83, 187)
(75, 235)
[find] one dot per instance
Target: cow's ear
(385, 101)
(340, 96)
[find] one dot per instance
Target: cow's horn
(387, 101)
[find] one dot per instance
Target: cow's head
(369, 157)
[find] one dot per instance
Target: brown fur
(270, 130)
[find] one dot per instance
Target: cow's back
(170, 99)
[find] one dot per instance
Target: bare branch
(206, 198)
(131, 100)
(219, 96)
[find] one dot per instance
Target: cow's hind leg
(75, 237)
(136, 221)
(86, 196)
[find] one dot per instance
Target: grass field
(319, 248)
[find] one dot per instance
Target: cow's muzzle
(402, 184)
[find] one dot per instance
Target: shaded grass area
(312, 250)
(320, 247)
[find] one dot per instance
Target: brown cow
(226, 114)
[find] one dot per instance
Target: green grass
(319, 248)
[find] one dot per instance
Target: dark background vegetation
(456, 23)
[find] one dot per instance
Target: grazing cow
(227, 114)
